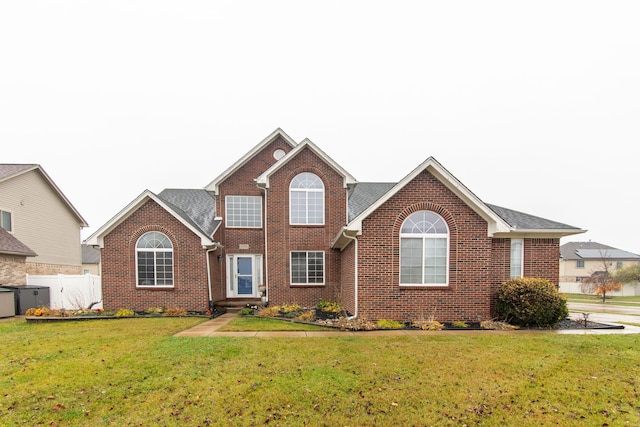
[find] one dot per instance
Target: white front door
(243, 275)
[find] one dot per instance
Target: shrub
(428, 325)
(154, 310)
(330, 307)
(459, 324)
(271, 311)
(247, 311)
(307, 316)
(531, 302)
(175, 312)
(389, 324)
(125, 312)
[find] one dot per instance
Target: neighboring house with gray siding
(579, 260)
(35, 213)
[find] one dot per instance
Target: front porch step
(235, 305)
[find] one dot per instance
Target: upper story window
(517, 257)
(243, 211)
(154, 260)
(5, 221)
(619, 264)
(306, 200)
(424, 250)
(580, 263)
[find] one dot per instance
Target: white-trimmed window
(307, 268)
(424, 250)
(6, 221)
(154, 260)
(243, 211)
(306, 200)
(517, 258)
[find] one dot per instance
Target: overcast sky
(534, 106)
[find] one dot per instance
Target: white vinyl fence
(71, 292)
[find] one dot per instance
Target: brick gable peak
(263, 179)
(214, 185)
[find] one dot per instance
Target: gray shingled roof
(594, 250)
(196, 206)
(7, 170)
(568, 250)
(364, 194)
(90, 255)
(523, 221)
(9, 244)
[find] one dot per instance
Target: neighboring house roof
(263, 179)
(502, 222)
(90, 255)
(8, 171)
(594, 251)
(176, 202)
(213, 185)
(10, 245)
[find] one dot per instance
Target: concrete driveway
(605, 313)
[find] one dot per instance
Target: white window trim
(226, 208)
(173, 276)
(11, 219)
(425, 237)
(324, 269)
(521, 273)
(306, 191)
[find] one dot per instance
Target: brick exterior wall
(119, 290)
(285, 238)
(470, 276)
(12, 270)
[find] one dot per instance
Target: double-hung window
(154, 260)
(306, 200)
(307, 268)
(243, 211)
(424, 250)
(517, 258)
(6, 221)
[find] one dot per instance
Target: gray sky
(534, 106)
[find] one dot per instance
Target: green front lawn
(597, 299)
(133, 372)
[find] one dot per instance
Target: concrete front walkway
(210, 329)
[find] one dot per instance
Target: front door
(243, 276)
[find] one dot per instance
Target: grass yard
(133, 372)
(597, 299)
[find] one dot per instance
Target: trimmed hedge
(531, 302)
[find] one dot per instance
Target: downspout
(355, 275)
(265, 275)
(207, 252)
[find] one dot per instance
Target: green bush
(389, 324)
(531, 302)
(125, 312)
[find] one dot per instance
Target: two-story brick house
(287, 224)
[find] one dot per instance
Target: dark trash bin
(29, 296)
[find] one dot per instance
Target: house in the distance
(41, 228)
(287, 224)
(579, 260)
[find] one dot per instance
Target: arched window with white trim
(424, 250)
(306, 200)
(154, 260)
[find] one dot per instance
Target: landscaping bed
(45, 314)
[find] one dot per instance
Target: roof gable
(263, 179)
(9, 171)
(97, 238)
(213, 185)
(496, 223)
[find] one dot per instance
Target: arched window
(424, 250)
(306, 200)
(154, 260)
